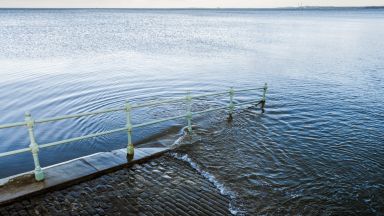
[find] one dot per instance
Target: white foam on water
(180, 140)
(223, 190)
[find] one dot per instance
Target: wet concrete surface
(71, 172)
(160, 186)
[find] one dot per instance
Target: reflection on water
(317, 149)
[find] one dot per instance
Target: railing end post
(263, 99)
(265, 90)
(39, 174)
(231, 106)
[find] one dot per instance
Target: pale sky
(186, 3)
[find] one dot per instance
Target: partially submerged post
(130, 147)
(189, 112)
(231, 106)
(39, 175)
(263, 99)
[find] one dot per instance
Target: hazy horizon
(202, 8)
(185, 3)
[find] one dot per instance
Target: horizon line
(203, 8)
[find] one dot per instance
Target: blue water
(318, 148)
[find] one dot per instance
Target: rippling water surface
(318, 148)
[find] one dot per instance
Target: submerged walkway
(161, 186)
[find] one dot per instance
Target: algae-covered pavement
(160, 186)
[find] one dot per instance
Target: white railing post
(231, 105)
(39, 174)
(130, 147)
(189, 113)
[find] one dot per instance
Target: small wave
(223, 190)
(183, 133)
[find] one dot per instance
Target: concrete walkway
(161, 186)
(71, 172)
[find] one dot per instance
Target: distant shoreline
(277, 8)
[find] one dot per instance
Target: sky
(185, 3)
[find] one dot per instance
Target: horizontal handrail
(192, 96)
(177, 99)
(34, 147)
(250, 89)
(11, 125)
(134, 126)
(58, 118)
(18, 151)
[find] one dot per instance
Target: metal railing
(34, 147)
